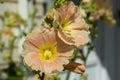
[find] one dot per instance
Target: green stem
(68, 75)
(81, 78)
(75, 56)
(43, 76)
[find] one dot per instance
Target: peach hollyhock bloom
(73, 30)
(75, 67)
(45, 52)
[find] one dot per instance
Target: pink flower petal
(79, 24)
(63, 48)
(80, 37)
(33, 41)
(65, 37)
(50, 36)
(52, 67)
(63, 60)
(33, 60)
(58, 16)
(70, 9)
(28, 47)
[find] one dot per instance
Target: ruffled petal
(79, 24)
(33, 41)
(80, 37)
(28, 47)
(33, 61)
(49, 36)
(52, 67)
(65, 37)
(64, 49)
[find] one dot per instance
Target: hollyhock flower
(73, 30)
(45, 52)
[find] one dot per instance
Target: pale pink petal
(63, 60)
(49, 36)
(58, 16)
(52, 67)
(28, 47)
(33, 41)
(80, 37)
(65, 12)
(70, 9)
(33, 61)
(65, 37)
(79, 24)
(63, 48)
(35, 38)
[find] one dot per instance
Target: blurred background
(19, 17)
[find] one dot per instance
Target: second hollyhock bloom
(73, 29)
(45, 52)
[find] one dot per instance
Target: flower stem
(43, 76)
(68, 75)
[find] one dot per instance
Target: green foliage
(14, 78)
(88, 7)
(58, 3)
(55, 77)
(6, 13)
(84, 77)
(14, 71)
(1, 1)
(7, 56)
(2, 18)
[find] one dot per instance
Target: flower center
(65, 25)
(67, 29)
(48, 52)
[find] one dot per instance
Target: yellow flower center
(65, 25)
(67, 29)
(48, 52)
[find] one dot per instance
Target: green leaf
(55, 77)
(1, 1)
(58, 3)
(6, 13)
